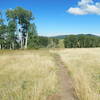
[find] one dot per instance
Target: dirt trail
(66, 89)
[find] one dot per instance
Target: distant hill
(63, 36)
(59, 36)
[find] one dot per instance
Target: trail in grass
(66, 91)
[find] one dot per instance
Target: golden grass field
(31, 74)
(84, 67)
(27, 75)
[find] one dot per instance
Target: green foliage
(11, 26)
(43, 41)
(22, 18)
(61, 43)
(71, 41)
(20, 32)
(16, 18)
(53, 43)
(82, 41)
(3, 29)
(11, 14)
(59, 37)
(1, 21)
(23, 15)
(32, 29)
(33, 42)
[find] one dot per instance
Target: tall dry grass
(27, 75)
(84, 67)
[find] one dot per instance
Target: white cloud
(85, 7)
(76, 11)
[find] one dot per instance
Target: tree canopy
(20, 31)
(82, 41)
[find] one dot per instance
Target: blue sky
(58, 17)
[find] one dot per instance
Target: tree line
(18, 31)
(82, 41)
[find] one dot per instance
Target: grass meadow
(84, 67)
(27, 75)
(31, 74)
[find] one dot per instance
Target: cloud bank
(85, 7)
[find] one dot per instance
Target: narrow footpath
(66, 90)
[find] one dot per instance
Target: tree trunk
(0, 46)
(21, 42)
(10, 47)
(13, 46)
(26, 41)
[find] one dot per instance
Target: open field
(84, 67)
(27, 75)
(32, 74)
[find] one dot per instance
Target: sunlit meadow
(27, 75)
(84, 67)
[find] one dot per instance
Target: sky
(61, 17)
